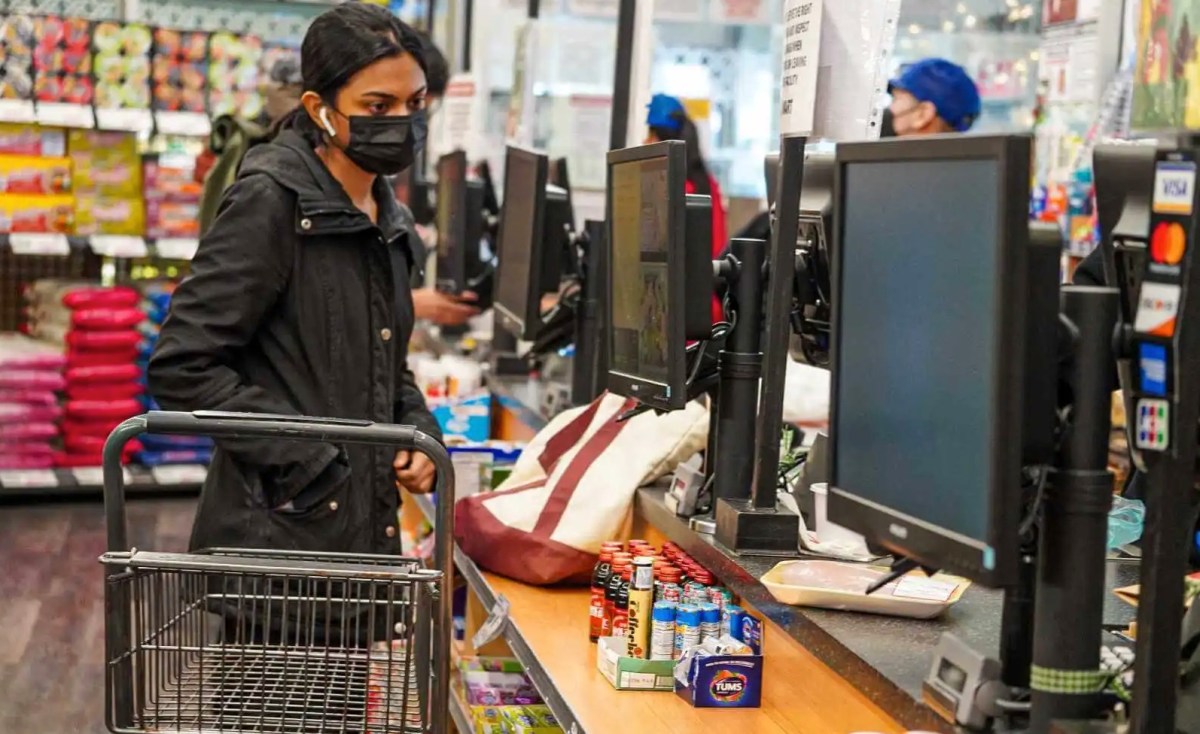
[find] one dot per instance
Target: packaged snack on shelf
(172, 219)
(233, 65)
(179, 69)
(107, 215)
(27, 174)
(529, 720)
(63, 60)
(30, 213)
(31, 139)
(18, 39)
(491, 665)
(122, 63)
(487, 720)
(170, 177)
(105, 163)
(488, 688)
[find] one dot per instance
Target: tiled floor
(52, 609)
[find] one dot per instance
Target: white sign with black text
(801, 46)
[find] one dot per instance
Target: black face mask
(887, 128)
(388, 144)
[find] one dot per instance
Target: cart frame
(386, 589)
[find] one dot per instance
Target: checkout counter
(826, 671)
(841, 671)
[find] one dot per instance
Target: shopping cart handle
(281, 427)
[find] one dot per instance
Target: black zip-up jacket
(296, 305)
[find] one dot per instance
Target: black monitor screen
(640, 196)
(915, 419)
(519, 230)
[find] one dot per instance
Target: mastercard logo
(1167, 243)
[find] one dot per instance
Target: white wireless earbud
(328, 125)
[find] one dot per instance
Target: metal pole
(740, 366)
(622, 75)
(778, 306)
(1069, 606)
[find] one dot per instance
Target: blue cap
(663, 111)
(944, 84)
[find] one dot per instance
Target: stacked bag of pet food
(97, 328)
(164, 450)
(31, 375)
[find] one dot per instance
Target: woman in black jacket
(299, 303)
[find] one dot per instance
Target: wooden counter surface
(800, 693)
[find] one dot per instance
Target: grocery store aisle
(52, 607)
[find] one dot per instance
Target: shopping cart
(236, 640)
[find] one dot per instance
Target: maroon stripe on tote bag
(564, 488)
(563, 441)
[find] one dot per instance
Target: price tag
(28, 478)
(134, 121)
(17, 110)
(89, 476)
(494, 624)
(177, 248)
(39, 243)
(182, 474)
(915, 587)
(182, 123)
(117, 245)
(65, 115)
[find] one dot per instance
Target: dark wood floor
(51, 607)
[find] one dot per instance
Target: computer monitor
(771, 174)
(459, 224)
(932, 275)
(647, 243)
(521, 242)
(561, 177)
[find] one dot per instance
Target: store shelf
(115, 246)
(459, 714)
(89, 481)
(511, 633)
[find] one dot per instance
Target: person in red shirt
(668, 120)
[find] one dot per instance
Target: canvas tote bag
(573, 489)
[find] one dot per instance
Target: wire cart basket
(237, 640)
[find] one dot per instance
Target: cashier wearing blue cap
(931, 96)
(667, 119)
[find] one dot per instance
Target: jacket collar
(322, 204)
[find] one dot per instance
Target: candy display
(17, 41)
(105, 163)
(35, 213)
(26, 174)
(122, 63)
(63, 60)
(233, 73)
(109, 215)
(179, 71)
(20, 139)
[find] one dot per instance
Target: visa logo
(1173, 184)
(1175, 187)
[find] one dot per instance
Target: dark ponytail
(341, 42)
(697, 170)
